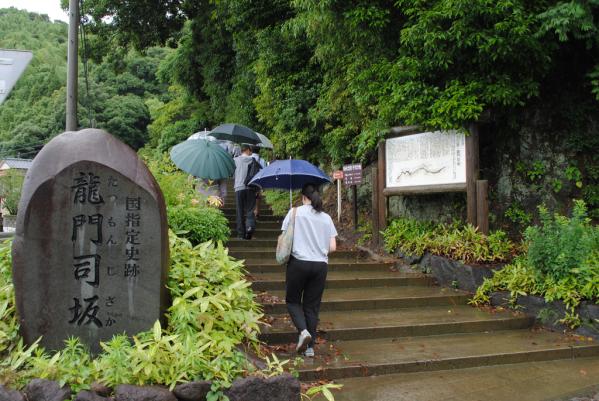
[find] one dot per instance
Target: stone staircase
(381, 327)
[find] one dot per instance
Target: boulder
(101, 389)
(127, 392)
(85, 395)
(193, 391)
(7, 394)
(278, 388)
(46, 390)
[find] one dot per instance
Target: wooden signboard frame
(381, 203)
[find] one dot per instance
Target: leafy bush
(10, 189)
(199, 224)
(561, 263)
(561, 244)
(213, 313)
(177, 186)
(465, 243)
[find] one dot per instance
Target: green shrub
(213, 314)
(177, 186)
(560, 244)
(561, 263)
(10, 189)
(199, 224)
(464, 243)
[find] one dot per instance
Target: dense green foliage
(212, 314)
(112, 97)
(10, 189)
(562, 263)
(455, 241)
(199, 224)
(190, 214)
(338, 74)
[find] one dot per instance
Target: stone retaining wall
(452, 273)
(549, 313)
(278, 388)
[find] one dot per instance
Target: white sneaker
(303, 341)
(309, 352)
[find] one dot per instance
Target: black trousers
(245, 201)
(305, 283)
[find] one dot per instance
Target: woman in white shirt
(313, 239)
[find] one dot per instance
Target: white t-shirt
(311, 235)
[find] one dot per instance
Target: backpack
(253, 169)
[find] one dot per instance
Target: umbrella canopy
(203, 159)
(202, 135)
(235, 133)
(264, 142)
(289, 174)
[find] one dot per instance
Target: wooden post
(355, 198)
(338, 201)
(376, 236)
(382, 204)
(482, 206)
(472, 168)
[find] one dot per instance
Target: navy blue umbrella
(289, 174)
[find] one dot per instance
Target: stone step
(260, 233)
(270, 243)
(268, 255)
(231, 217)
(347, 299)
(231, 211)
(528, 381)
(256, 266)
(271, 225)
(345, 279)
(406, 322)
(360, 358)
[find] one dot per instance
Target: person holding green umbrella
(204, 159)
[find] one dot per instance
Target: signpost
(352, 174)
(12, 66)
(338, 175)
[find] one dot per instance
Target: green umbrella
(203, 159)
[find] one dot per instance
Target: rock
(85, 395)
(101, 389)
(46, 390)
(127, 392)
(500, 298)
(90, 252)
(409, 259)
(7, 394)
(279, 388)
(193, 391)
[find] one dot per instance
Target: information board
(426, 159)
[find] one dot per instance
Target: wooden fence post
(472, 171)
(482, 206)
(382, 202)
(376, 236)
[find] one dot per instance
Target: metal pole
(72, 66)
(355, 196)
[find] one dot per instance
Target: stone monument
(90, 254)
